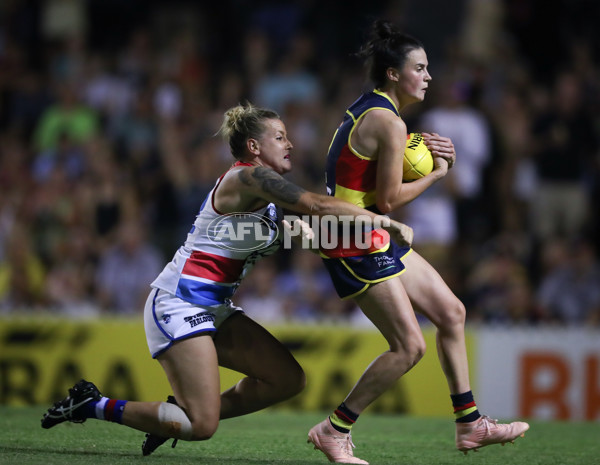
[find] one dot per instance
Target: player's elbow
(388, 201)
(384, 205)
(387, 198)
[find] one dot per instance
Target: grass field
(276, 437)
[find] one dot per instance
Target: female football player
(191, 325)
(364, 167)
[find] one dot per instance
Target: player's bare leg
(272, 373)
(191, 366)
(198, 355)
(432, 297)
(386, 304)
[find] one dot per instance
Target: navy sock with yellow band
(465, 409)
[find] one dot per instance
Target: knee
(454, 315)
(416, 350)
(204, 429)
(176, 423)
(410, 350)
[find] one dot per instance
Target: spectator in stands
(499, 289)
(306, 287)
(48, 81)
(570, 293)
(126, 269)
(67, 115)
(66, 156)
(565, 146)
(292, 81)
(469, 130)
(22, 273)
(260, 298)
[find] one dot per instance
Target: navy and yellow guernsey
(351, 176)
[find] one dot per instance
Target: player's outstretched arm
(265, 183)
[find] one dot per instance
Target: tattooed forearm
(275, 185)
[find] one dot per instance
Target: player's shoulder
(382, 113)
(250, 175)
(382, 119)
(236, 178)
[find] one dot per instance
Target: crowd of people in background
(107, 143)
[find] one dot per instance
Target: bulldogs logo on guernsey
(219, 251)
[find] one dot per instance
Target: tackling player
(192, 327)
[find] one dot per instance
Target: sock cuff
(465, 412)
(460, 408)
(465, 409)
(339, 424)
(114, 410)
(99, 408)
(346, 414)
(465, 398)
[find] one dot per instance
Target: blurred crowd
(108, 115)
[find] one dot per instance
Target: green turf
(276, 437)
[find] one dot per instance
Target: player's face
(414, 77)
(275, 147)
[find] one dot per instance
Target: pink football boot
(335, 445)
(485, 431)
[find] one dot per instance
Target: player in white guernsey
(192, 326)
(219, 251)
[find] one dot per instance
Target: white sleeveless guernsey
(219, 251)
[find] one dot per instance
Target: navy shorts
(352, 276)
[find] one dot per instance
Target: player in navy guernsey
(364, 167)
(191, 324)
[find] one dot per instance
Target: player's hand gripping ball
(418, 161)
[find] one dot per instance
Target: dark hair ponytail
(387, 47)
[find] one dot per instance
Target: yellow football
(418, 161)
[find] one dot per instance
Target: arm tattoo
(273, 184)
(244, 177)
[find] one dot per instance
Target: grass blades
(279, 437)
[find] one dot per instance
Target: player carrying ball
(364, 167)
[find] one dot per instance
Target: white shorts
(168, 318)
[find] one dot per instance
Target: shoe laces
(66, 411)
(345, 443)
(488, 422)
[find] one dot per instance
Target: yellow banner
(41, 359)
